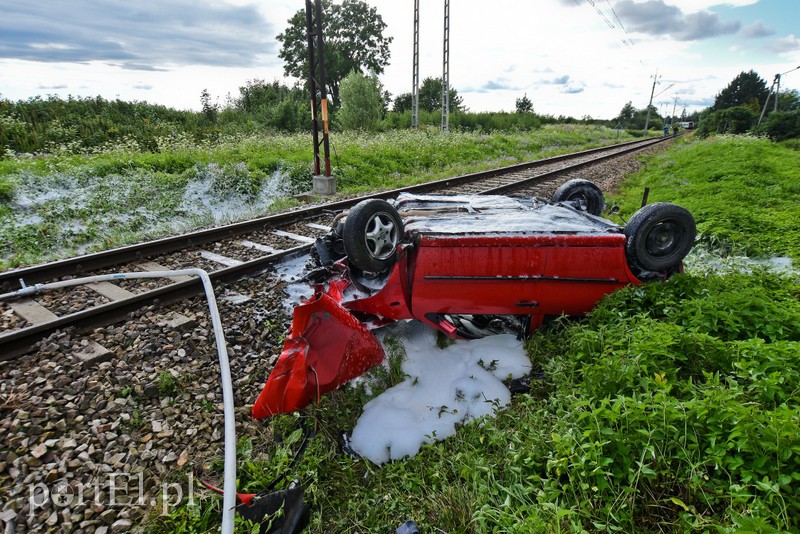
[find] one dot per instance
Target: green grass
(657, 412)
(65, 204)
(743, 192)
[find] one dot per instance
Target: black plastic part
(519, 386)
(324, 253)
(264, 510)
(346, 446)
(582, 193)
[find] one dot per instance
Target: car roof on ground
(471, 214)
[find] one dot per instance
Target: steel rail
(80, 265)
(520, 183)
(20, 341)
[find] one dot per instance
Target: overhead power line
(616, 17)
(613, 21)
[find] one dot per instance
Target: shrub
(362, 105)
(738, 120)
(780, 125)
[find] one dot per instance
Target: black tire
(583, 193)
(372, 230)
(659, 236)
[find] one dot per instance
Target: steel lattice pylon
(415, 74)
(316, 80)
(446, 69)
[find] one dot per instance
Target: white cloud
(790, 43)
(497, 54)
(755, 30)
(689, 6)
(657, 18)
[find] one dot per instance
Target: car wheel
(372, 230)
(658, 237)
(587, 195)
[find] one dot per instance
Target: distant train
(687, 125)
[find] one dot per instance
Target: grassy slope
(743, 192)
(671, 407)
(124, 196)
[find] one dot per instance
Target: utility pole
(446, 70)
(776, 83)
(324, 185)
(415, 74)
(766, 102)
(674, 105)
(649, 104)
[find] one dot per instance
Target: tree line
(747, 105)
(741, 107)
(82, 124)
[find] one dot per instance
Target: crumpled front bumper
(327, 347)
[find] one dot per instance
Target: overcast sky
(571, 57)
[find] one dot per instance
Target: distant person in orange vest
(674, 130)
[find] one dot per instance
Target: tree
(524, 104)
(430, 96)
(747, 89)
(635, 119)
(789, 100)
(209, 110)
(257, 95)
(273, 105)
(354, 41)
(402, 102)
(362, 102)
(626, 114)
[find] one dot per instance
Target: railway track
(228, 253)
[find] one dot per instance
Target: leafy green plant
(362, 102)
(137, 419)
(168, 384)
(6, 188)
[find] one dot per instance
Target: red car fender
(327, 347)
(391, 301)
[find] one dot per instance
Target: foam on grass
(444, 388)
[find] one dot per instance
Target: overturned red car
(466, 265)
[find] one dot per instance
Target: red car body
(459, 258)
